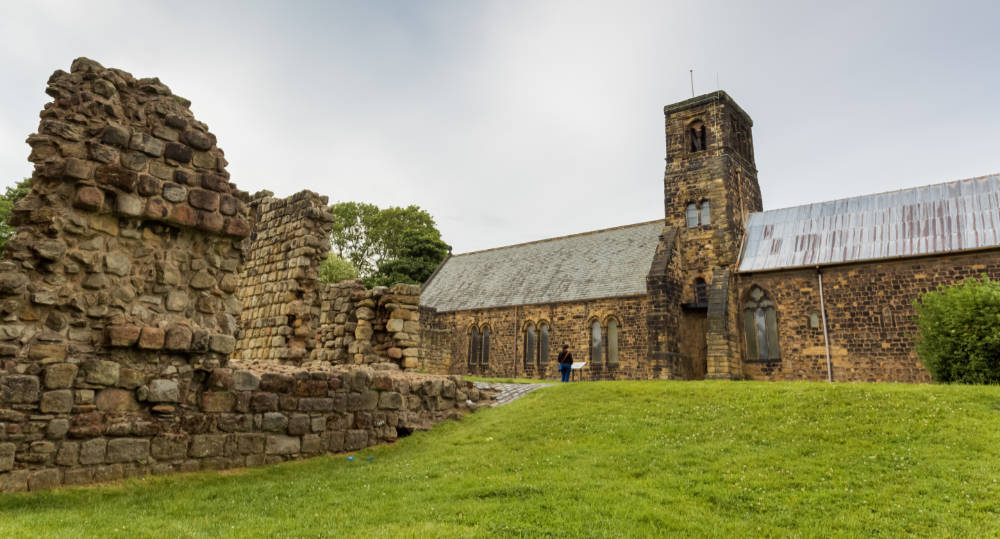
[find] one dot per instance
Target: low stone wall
(222, 418)
(361, 326)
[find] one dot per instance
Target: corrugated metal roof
(604, 263)
(955, 216)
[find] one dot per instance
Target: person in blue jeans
(565, 362)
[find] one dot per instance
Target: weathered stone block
(170, 447)
(59, 401)
(102, 372)
(217, 401)
(45, 479)
(250, 443)
(7, 456)
(163, 391)
(202, 280)
(19, 388)
(118, 177)
(93, 451)
(283, 445)
(223, 344)
(57, 429)
(245, 381)
(390, 400)
(210, 221)
(204, 199)
(116, 400)
(174, 192)
(68, 454)
(237, 226)
(197, 139)
(355, 440)
(207, 445)
(127, 450)
(47, 353)
(264, 402)
(152, 338)
(123, 335)
(298, 424)
(178, 152)
(274, 422)
(176, 301)
(130, 378)
(117, 263)
(178, 339)
(78, 168)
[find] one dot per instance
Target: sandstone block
(93, 451)
(152, 338)
(116, 400)
(123, 335)
(119, 177)
(250, 443)
(60, 375)
(47, 353)
(178, 339)
(163, 391)
(117, 263)
(78, 168)
(178, 152)
(169, 447)
(7, 456)
(157, 209)
(204, 199)
(394, 352)
(19, 388)
(245, 381)
(274, 422)
(394, 325)
(174, 192)
(237, 226)
(282, 445)
(49, 249)
(45, 479)
(197, 139)
(223, 344)
(215, 182)
(202, 280)
(147, 144)
(210, 221)
(115, 136)
(59, 401)
(217, 401)
(207, 445)
(57, 429)
(12, 282)
(365, 313)
(355, 440)
(176, 301)
(228, 205)
(128, 450)
(129, 205)
(149, 186)
(390, 400)
(69, 454)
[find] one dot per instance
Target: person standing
(565, 362)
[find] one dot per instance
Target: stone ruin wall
(280, 289)
(121, 298)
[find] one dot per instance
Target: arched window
(485, 357)
(760, 325)
(612, 342)
(696, 136)
(692, 215)
(543, 344)
(595, 343)
(700, 289)
(706, 219)
(529, 344)
(474, 346)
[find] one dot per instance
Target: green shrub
(959, 331)
(335, 269)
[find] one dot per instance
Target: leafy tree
(335, 269)
(959, 331)
(388, 245)
(419, 255)
(7, 201)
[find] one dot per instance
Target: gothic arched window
(760, 324)
(543, 344)
(691, 216)
(484, 358)
(595, 343)
(706, 219)
(474, 346)
(529, 344)
(612, 342)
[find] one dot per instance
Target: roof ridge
(995, 175)
(557, 238)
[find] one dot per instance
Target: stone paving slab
(509, 392)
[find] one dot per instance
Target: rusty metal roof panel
(948, 217)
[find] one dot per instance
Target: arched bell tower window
(760, 326)
(696, 136)
(691, 215)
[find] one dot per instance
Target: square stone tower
(709, 187)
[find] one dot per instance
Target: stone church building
(719, 288)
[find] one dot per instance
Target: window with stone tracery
(760, 326)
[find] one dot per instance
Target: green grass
(603, 459)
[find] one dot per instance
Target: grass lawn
(603, 459)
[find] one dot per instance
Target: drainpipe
(826, 334)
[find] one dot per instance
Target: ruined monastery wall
(122, 293)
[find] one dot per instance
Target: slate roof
(599, 264)
(933, 219)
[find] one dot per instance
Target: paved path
(509, 392)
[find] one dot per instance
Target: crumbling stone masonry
(121, 298)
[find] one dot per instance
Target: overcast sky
(512, 121)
